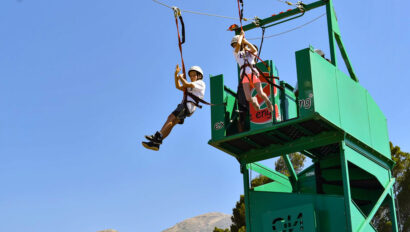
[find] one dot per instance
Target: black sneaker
(151, 145)
(157, 138)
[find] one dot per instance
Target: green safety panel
(320, 212)
(343, 102)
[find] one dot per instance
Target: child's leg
(249, 98)
(258, 88)
(168, 125)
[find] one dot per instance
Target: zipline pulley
(256, 21)
(301, 6)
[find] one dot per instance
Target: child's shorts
(247, 78)
(181, 112)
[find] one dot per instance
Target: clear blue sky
(83, 81)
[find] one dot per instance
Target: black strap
(260, 47)
(183, 29)
(241, 15)
(197, 100)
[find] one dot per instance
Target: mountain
(202, 223)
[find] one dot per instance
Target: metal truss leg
(346, 185)
(245, 173)
(393, 214)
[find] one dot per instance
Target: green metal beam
(346, 58)
(281, 183)
(369, 152)
(332, 26)
(271, 174)
(334, 35)
(260, 131)
(293, 175)
(379, 202)
(281, 16)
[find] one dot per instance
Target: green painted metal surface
(307, 181)
(354, 117)
(378, 127)
(327, 91)
(218, 118)
(296, 219)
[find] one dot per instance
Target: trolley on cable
(332, 120)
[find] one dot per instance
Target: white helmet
(235, 39)
(320, 52)
(196, 68)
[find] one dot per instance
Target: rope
(293, 29)
(200, 13)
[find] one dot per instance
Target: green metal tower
(334, 121)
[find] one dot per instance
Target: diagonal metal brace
(377, 205)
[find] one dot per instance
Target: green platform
(332, 120)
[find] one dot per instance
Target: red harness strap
(240, 12)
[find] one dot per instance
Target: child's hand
(180, 76)
(177, 69)
(242, 33)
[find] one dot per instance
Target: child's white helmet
(235, 39)
(196, 68)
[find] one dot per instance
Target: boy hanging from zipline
(245, 55)
(194, 92)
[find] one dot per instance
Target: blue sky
(83, 81)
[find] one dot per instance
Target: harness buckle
(256, 21)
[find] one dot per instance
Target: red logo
(263, 115)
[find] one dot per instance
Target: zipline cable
(293, 29)
(200, 13)
(286, 2)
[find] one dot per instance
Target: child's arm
(239, 43)
(185, 83)
(176, 78)
(252, 48)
